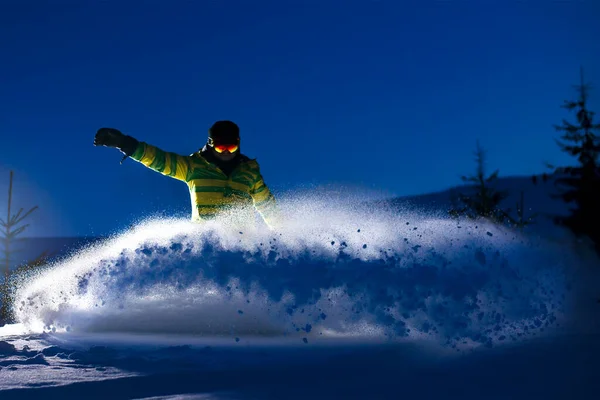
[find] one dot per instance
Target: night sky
(385, 97)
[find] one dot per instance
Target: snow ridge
(334, 272)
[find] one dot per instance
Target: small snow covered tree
(484, 201)
(11, 229)
(580, 184)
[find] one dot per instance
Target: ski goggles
(220, 148)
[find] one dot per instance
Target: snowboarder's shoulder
(199, 157)
(196, 154)
(245, 159)
(249, 162)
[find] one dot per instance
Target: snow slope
(345, 302)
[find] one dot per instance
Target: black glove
(111, 137)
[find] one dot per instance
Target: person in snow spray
(219, 177)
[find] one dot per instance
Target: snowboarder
(219, 176)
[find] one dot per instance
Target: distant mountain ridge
(537, 196)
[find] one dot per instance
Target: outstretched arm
(169, 164)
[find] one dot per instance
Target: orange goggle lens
(222, 147)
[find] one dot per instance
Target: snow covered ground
(344, 302)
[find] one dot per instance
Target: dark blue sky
(385, 95)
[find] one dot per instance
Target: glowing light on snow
(335, 270)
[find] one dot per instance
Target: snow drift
(334, 272)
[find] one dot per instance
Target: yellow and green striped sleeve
(169, 164)
(265, 203)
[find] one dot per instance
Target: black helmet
(224, 132)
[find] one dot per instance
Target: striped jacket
(211, 191)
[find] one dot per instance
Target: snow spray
(337, 270)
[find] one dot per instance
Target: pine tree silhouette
(485, 201)
(580, 184)
(10, 231)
